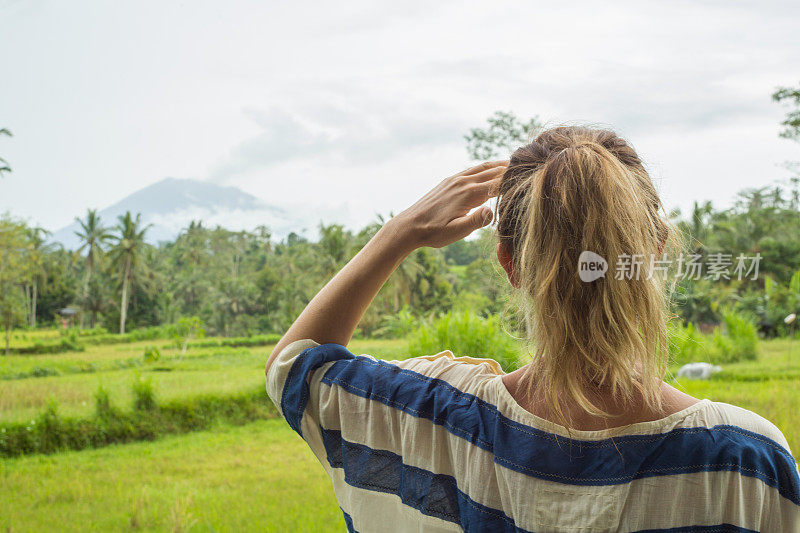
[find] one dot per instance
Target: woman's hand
(442, 216)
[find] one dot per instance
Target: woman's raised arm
(437, 219)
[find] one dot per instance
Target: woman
(587, 436)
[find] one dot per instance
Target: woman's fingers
(487, 165)
(485, 175)
(463, 226)
(443, 215)
(484, 190)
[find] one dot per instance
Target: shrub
(722, 349)
(43, 372)
(237, 342)
(397, 325)
(50, 435)
(91, 332)
(465, 333)
(187, 329)
(743, 333)
(50, 432)
(67, 343)
(142, 334)
(144, 397)
(686, 344)
(70, 341)
(102, 403)
(151, 354)
(736, 339)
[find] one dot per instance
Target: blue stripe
(431, 494)
(294, 397)
(348, 522)
(547, 456)
(436, 494)
(721, 528)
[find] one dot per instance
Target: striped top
(437, 443)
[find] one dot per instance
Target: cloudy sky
(357, 108)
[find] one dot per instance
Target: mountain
(170, 204)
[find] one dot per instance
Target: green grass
(216, 371)
(22, 338)
(93, 354)
(258, 477)
(769, 386)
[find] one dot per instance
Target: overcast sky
(361, 107)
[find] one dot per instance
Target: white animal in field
(698, 370)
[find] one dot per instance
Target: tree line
(246, 282)
(237, 282)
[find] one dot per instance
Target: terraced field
(252, 477)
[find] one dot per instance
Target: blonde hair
(576, 189)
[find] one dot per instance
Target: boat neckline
(525, 416)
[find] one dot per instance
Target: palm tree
(192, 257)
(3, 163)
(334, 245)
(406, 274)
(38, 249)
(93, 236)
(404, 278)
(127, 257)
(699, 223)
(96, 300)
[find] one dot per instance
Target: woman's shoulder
(462, 372)
(755, 425)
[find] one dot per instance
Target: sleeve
(310, 405)
(460, 372)
(782, 506)
(289, 377)
(782, 503)
(337, 401)
(279, 370)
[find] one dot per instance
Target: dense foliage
(235, 283)
(245, 283)
(466, 334)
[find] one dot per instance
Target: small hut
(67, 315)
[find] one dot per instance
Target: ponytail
(576, 190)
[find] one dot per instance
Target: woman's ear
(506, 261)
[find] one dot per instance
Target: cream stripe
(421, 443)
(705, 413)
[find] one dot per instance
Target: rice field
(256, 477)
(115, 367)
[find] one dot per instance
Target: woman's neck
(673, 401)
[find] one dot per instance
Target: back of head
(570, 191)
